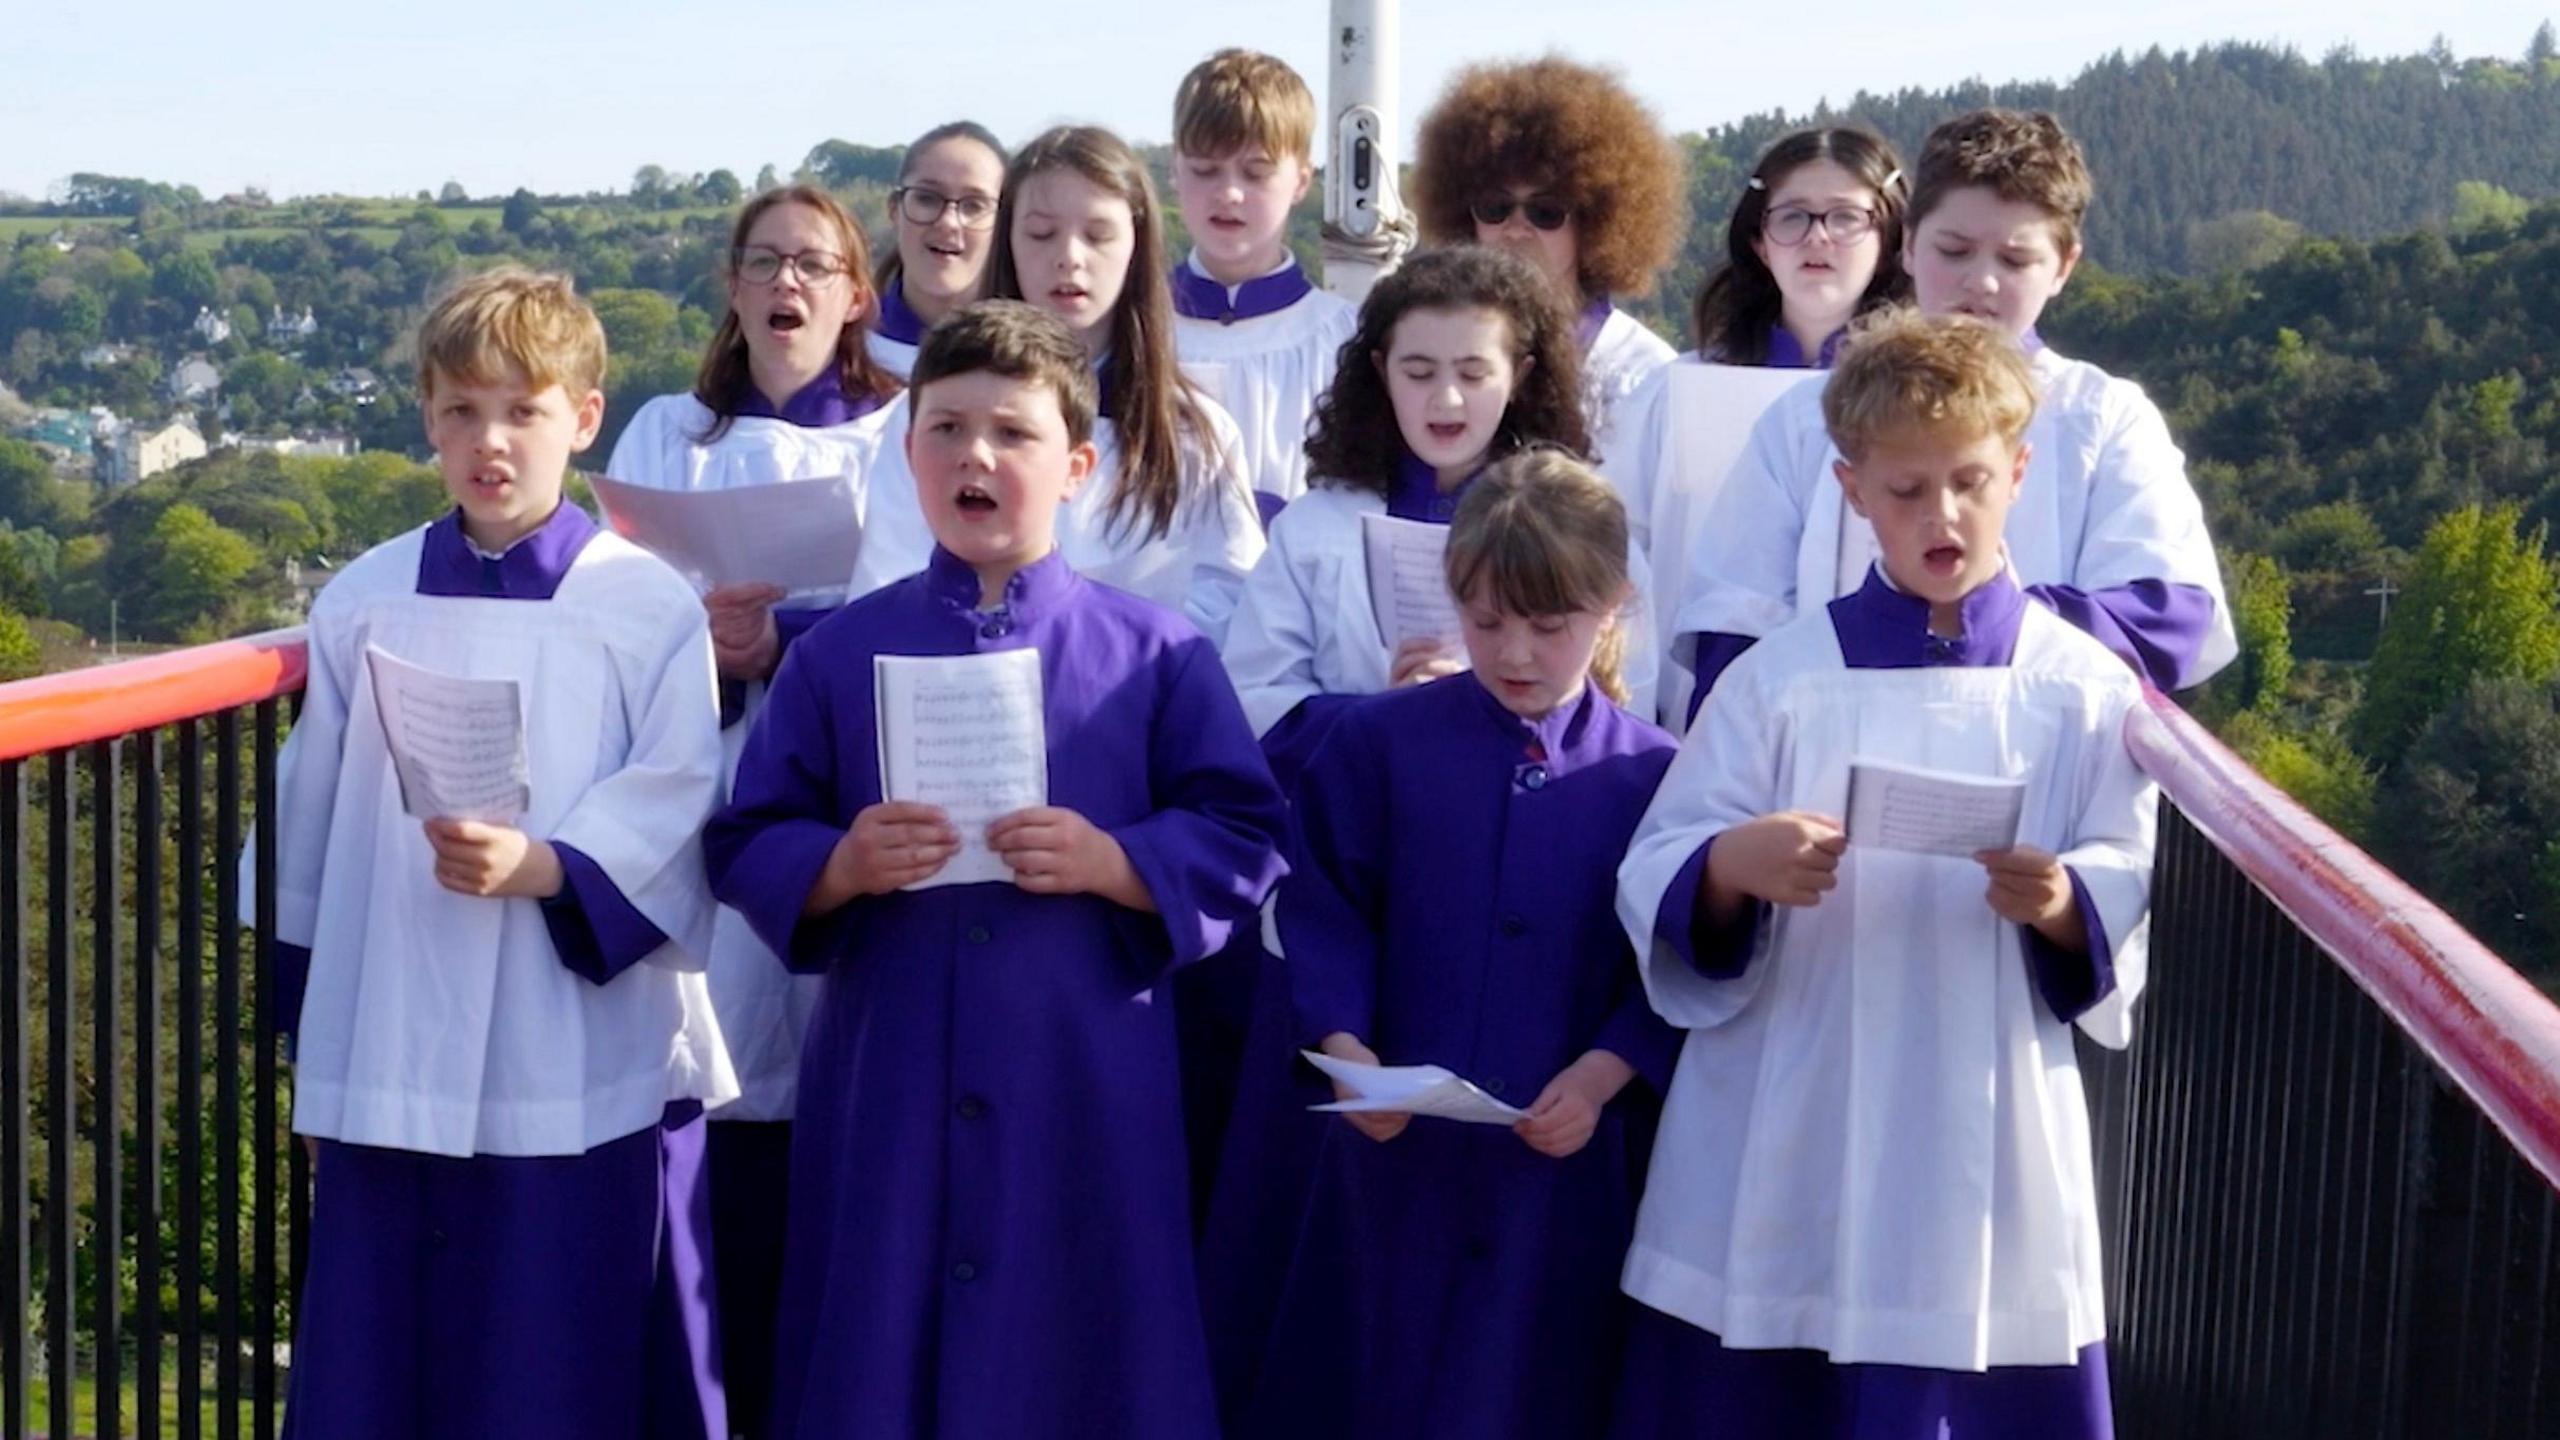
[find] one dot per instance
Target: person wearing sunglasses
(944, 213)
(787, 391)
(1560, 164)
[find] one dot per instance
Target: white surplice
(2106, 502)
(1268, 372)
(1876, 1143)
(446, 1023)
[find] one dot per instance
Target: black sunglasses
(1544, 212)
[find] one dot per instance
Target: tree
(190, 577)
(187, 281)
(20, 656)
(2238, 243)
(2544, 48)
(649, 181)
(453, 194)
(2471, 817)
(840, 163)
(2337, 537)
(2480, 206)
(721, 187)
(766, 179)
(2316, 768)
(522, 209)
(2478, 605)
(2262, 615)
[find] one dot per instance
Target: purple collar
(2031, 342)
(897, 322)
(1199, 297)
(819, 403)
(532, 569)
(1416, 493)
(1033, 590)
(1882, 628)
(1595, 318)
(1787, 353)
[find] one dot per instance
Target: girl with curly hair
(1560, 163)
(1461, 358)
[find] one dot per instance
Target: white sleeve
(639, 453)
(2111, 850)
(1742, 560)
(1270, 651)
(307, 771)
(642, 824)
(1726, 773)
(2145, 521)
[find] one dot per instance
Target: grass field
(84, 1408)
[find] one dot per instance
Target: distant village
(119, 449)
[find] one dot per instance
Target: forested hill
(2343, 146)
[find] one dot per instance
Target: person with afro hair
(1560, 163)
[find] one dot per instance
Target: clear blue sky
(300, 96)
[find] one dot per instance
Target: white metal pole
(1366, 229)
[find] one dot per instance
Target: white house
(214, 328)
(356, 383)
(135, 453)
(192, 379)
(284, 329)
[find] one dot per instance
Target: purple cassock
(989, 1234)
(501, 1296)
(1451, 902)
(1681, 1383)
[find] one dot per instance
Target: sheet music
(1931, 812)
(802, 535)
(457, 744)
(1408, 587)
(1411, 1089)
(964, 733)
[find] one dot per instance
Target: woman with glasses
(944, 213)
(787, 391)
(1562, 165)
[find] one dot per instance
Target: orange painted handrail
(53, 712)
(2494, 1035)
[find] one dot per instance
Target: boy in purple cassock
(989, 1230)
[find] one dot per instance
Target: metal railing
(142, 1271)
(2327, 1165)
(2328, 1162)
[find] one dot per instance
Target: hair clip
(1891, 180)
(1756, 183)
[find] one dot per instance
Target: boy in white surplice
(1870, 1210)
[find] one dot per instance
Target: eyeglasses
(758, 265)
(1792, 224)
(1543, 211)
(925, 207)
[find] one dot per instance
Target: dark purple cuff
(1718, 952)
(1268, 507)
(1642, 1038)
(1290, 744)
(2154, 626)
(733, 701)
(788, 626)
(1714, 651)
(292, 974)
(597, 932)
(2073, 983)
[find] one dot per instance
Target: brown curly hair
(1572, 130)
(1354, 441)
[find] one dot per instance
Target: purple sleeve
(1718, 952)
(593, 925)
(1714, 650)
(1210, 852)
(2073, 983)
(2157, 627)
(766, 848)
(292, 975)
(1332, 909)
(1292, 742)
(1642, 1038)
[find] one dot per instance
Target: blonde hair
(1950, 375)
(1542, 534)
(510, 319)
(2022, 156)
(1237, 99)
